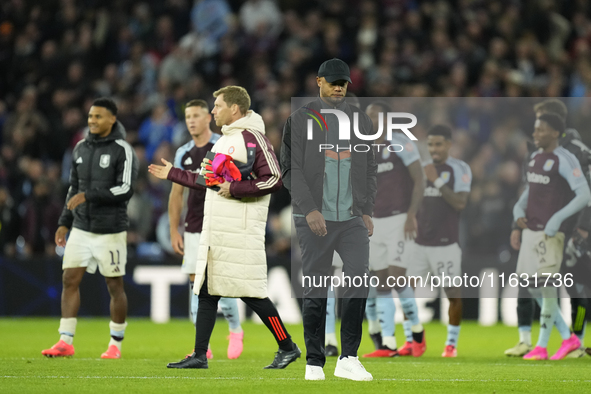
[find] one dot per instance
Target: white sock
(67, 329)
(525, 337)
(116, 343)
(117, 331)
(389, 342)
(417, 328)
(330, 339)
(374, 326)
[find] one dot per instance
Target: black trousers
(263, 307)
(580, 292)
(350, 240)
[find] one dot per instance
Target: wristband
(438, 183)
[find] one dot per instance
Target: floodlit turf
(480, 366)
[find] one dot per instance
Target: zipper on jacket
(351, 183)
(338, 179)
(323, 170)
(92, 148)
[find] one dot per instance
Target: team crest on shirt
(548, 165)
(385, 154)
(105, 160)
(445, 176)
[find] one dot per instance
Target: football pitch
(480, 366)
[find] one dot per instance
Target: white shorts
(191, 241)
(539, 254)
(387, 246)
(107, 251)
(436, 260)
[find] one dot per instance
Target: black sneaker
(283, 358)
(192, 361)
(331, 351)
(377, 340)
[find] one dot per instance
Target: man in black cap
(333, 188)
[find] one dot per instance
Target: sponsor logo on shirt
(383, 167)
(538, 178)
(431, 191)
(466, 178)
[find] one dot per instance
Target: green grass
(480, 366)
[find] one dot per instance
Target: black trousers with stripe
(263, 307)
(350, 240)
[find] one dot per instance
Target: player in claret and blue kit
(556, 191)
(437, 250)
(399, 196)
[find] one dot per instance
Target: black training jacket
(571, 141)
(105, 169)
(302, 163)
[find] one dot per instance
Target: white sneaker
(519, 350)
(577, 353)
(314, 372)
(351, 368)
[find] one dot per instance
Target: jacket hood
(569, 135)
(252, 122)
(117, 133)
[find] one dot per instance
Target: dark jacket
(105, 169)
(302, 163)
(571, 141)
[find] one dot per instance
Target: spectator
(210, 23)
(9, 223)
(255, 13)
(42, 211)
(156, 129)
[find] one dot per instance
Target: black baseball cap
(334, 70)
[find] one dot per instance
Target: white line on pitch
(269, 378)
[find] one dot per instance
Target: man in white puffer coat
(231, 259)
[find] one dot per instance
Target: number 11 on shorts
(113, 262)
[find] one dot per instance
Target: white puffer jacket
(232, 244)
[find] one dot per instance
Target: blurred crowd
(152, 56)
